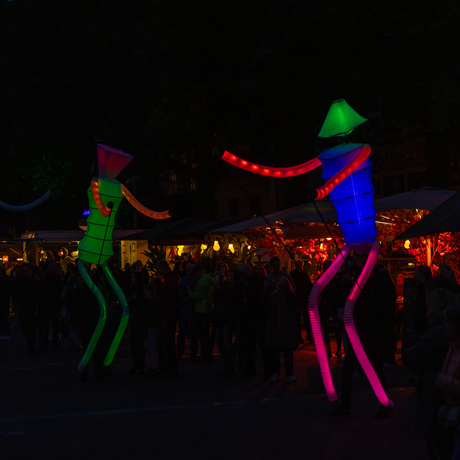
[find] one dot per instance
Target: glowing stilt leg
(351, 329)
(313, 312)
(124, 315)
(102, 316)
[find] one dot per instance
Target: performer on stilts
(105, 194)
(347, 171)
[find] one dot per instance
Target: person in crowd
(152, 321)
(169, 297)
(203, 311)
(5, 293)
(24, 291)
(276, 273)
(185, 316)
(69, 295)
(304, 285)
(448, 382)
(179, 269)
(66, 259)
(135, 299)
(140, 267)
(384, 299)
(368, 326)
(283, 329)
(268, 268)
(419, 323)
(425, 359)
(221, 267)
(255, 298)
(247, 312)
(227, 300)
(50, 306)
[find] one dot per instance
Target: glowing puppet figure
(105, 194)
(347, 171)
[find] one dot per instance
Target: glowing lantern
(249, 248)
(5, 259)
(231, 248)
(407, 244)
(216, 246)
(341, 120)
(203, 248)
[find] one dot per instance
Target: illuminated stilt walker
(105, 194)
(347, 171)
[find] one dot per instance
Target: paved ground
(47, 412)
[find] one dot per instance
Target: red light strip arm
(104, 210)
(141, 208)
(268, 170)
(344, 172)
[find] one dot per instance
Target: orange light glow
(141, 208)
(104, 210)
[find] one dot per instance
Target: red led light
(269, 171)
(344, 173)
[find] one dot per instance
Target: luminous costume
(104, 195)
(347, 171)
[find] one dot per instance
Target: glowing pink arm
(344, 173)
(351, 329)
(268, 170)
(141, 208)
(313, 312)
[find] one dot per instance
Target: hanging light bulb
(203, 248)
(180, 248)
(321, 246)
(407, 244)
(231, 248)
(216, 246)
(249, 247)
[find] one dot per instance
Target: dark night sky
(160, 78)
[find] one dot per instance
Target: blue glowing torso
(353, 198)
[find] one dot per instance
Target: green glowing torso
(96, 246)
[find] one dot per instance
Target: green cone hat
(341, 120)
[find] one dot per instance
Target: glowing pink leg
(351, 329)
(313, 312)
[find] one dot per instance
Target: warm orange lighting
(141, 208)
(216, 246)
(231, 248)
(104, 210)
(407, 244)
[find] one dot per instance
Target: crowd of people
(254, 312)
